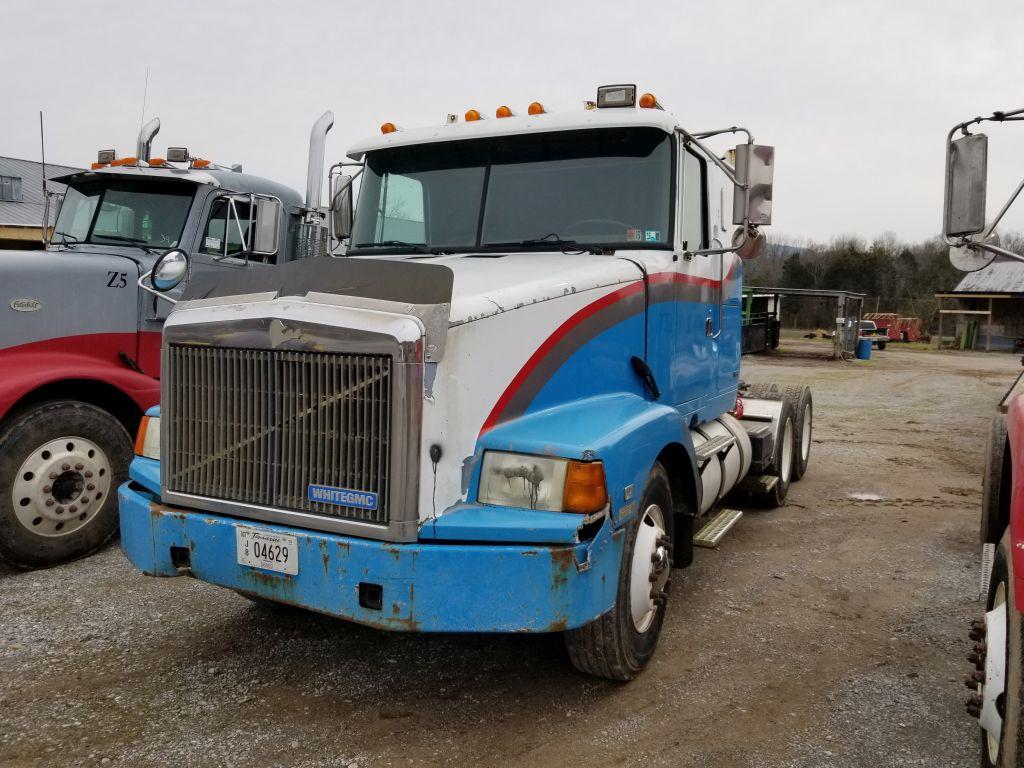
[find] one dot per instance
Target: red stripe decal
(563, 330)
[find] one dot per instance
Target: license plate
(270, 551)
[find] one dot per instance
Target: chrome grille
(259, 426)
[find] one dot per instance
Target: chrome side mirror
(341, 206)
(966, 183)
(169, 270)
(755, 167)
(266, 226)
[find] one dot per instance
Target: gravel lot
(831, 632)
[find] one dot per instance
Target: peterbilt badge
(26, 305)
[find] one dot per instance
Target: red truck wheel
(60, 465)
(997, 677)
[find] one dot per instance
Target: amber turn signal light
(585, 488)
(647, 101)
(472, 116)
(388, 128)
(503, 111)
(536, 108)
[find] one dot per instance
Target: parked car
(879, 337)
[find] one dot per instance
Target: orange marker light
(472, 116)
(503, 111)
(202, 163)
(115, 163)
(98, 165)
(156, 162)
(647, 101)
(140, 436)
(585, 488)
(388, 128)
(536, 108)
(130, 161)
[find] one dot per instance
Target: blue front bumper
(427, 586)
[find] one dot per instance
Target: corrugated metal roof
(29, 212)
(997, 277)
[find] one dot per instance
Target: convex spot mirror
(169, 270)
(341, 206)
(755, 166)
(966, 182)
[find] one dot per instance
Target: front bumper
(426, 586)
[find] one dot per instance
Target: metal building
(985, 310)
(21, 201)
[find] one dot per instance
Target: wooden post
(988, 327)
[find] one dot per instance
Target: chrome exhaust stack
(146, 136)
(317, 148)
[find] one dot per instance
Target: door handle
(709, 326)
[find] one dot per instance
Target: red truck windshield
(144, 213)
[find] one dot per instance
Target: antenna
(46, 196)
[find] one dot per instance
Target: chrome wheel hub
(61, 486)
(649, 569)
(805, 435)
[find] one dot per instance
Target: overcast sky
(856, 96)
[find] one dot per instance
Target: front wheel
(997, 678)
(619, 644)
(60, 465)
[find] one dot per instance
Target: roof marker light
(116, 163)
(157, 162)
(536, 108)
(200, 163)
(130, 161)
(472, 116)
(388, 128)
(648, 101)
(96, 166)
(503, 111)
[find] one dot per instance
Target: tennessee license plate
(270, 551)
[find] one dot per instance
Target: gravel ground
(831, 632)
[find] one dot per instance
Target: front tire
(618, 644)
(61, 463)
(1005, 748)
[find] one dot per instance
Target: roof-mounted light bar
(609, 96)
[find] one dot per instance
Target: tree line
(895, 276)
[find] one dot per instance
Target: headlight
(542, 482)
(147, 442)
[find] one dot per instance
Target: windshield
(605, 188)
(124, 211)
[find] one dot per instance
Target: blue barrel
(863, 349)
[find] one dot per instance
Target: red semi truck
(997, 679)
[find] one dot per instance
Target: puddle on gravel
(866, 497)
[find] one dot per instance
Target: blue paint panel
(145, 472)
(428, 587)
(154, 410)
(624, 430)
(479, 522)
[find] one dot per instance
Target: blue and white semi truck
(514, 405)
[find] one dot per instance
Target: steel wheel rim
(995, 662)
(805, 434)
(649, 568)
(61, 486)
(786, 467)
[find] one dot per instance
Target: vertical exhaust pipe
(317, 148)
(146, 134)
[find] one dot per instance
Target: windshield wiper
(414, 247)
(566, 246)
(144, 245)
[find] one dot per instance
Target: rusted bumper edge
(425, 586)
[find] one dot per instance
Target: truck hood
(488, 284)
(56, 294)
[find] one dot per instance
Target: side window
(693, 216)
(224, 225)
(402, 207)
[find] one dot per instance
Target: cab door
(695, 293)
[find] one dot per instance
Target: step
(713, 446)
(717, 527)
(757, 484)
